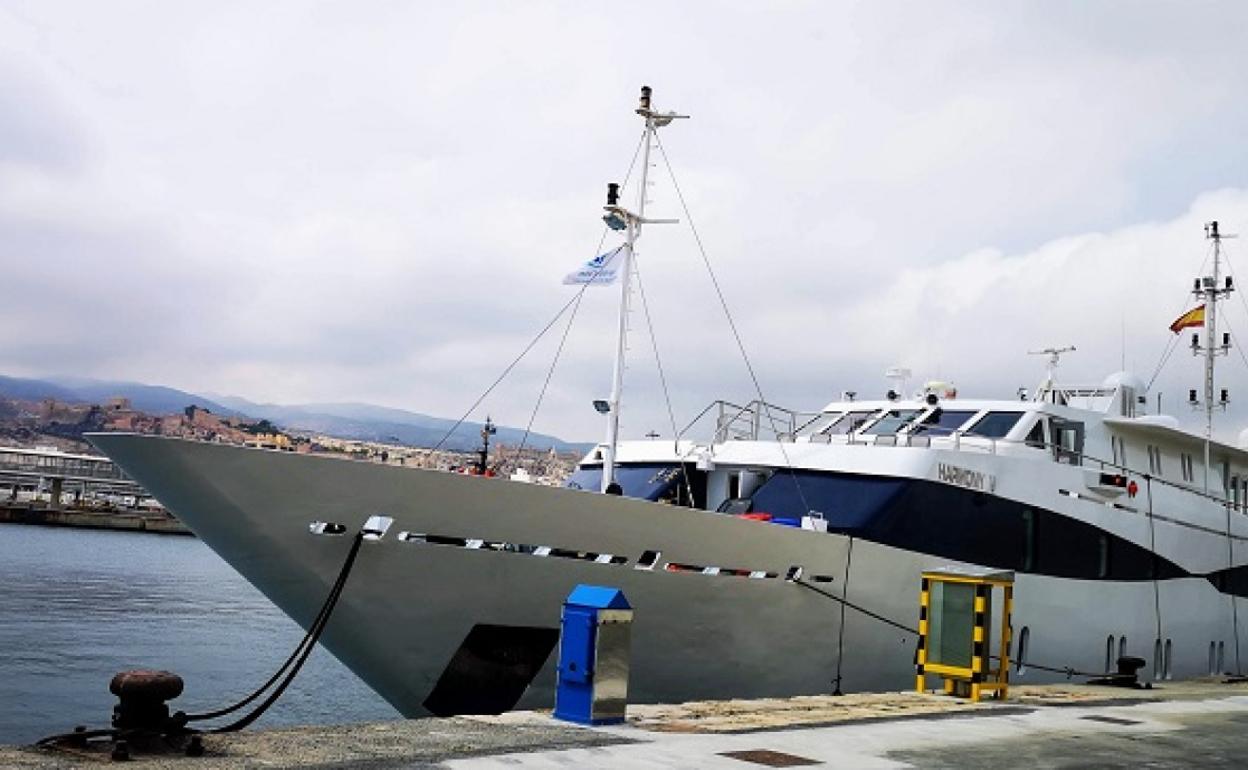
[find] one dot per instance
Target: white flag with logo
(599, 271)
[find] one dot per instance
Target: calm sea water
(77, 606)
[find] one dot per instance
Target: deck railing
(756, 421)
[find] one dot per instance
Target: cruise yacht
(769, 553)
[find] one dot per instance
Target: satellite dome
(1126, 379)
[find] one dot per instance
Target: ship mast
(618, 218)
(1207, 288)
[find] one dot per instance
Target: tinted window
(1035, 437)
(942, 422)
(995, 424)
(822, 422)
(848, 424)
(892, 421)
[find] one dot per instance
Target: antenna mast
(1050, 368)
(620, 218)
(1207, 288)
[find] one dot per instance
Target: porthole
(1020, 664)
(648, 560)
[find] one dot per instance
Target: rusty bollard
(142, 695)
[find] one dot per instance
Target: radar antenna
(1050, 369)
(900, 377)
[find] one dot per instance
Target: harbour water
(77, 606)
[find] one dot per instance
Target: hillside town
(53, 424)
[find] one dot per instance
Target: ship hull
(410, 607)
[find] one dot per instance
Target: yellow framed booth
(955, 631)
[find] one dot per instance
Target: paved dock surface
(1183, 724)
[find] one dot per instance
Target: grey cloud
(376, 203)
(36, 128)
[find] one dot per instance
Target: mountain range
(342, 420)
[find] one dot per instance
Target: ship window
(1158, 672)
(892, 421)
(1068, 440)
(648, 560)
(1185, 465)
(1120, 450)
(995, 424)
(1109, 654)
(825, 421)
(848, 423)
(1035, 437)
(942, 422)
(1165, 661)
(1122, 646)
(1235, 492)
(1154, 460)
(1213, 658)
(327, 528)
(1221, 657)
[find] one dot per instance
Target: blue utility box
(592, 678)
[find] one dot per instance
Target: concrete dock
(124, 521)
(1180, 724)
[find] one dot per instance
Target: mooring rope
(177, 723)
(1068, 671)
(314, 635)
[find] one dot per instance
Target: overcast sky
(376, 202)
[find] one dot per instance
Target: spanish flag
(1193, 317)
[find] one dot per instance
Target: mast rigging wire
(551, 371)
(507, 370)
(667, 399)
(723, 302)
(575, 301)
(1173, 342)
(1068, 671)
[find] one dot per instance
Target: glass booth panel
(951, 624)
